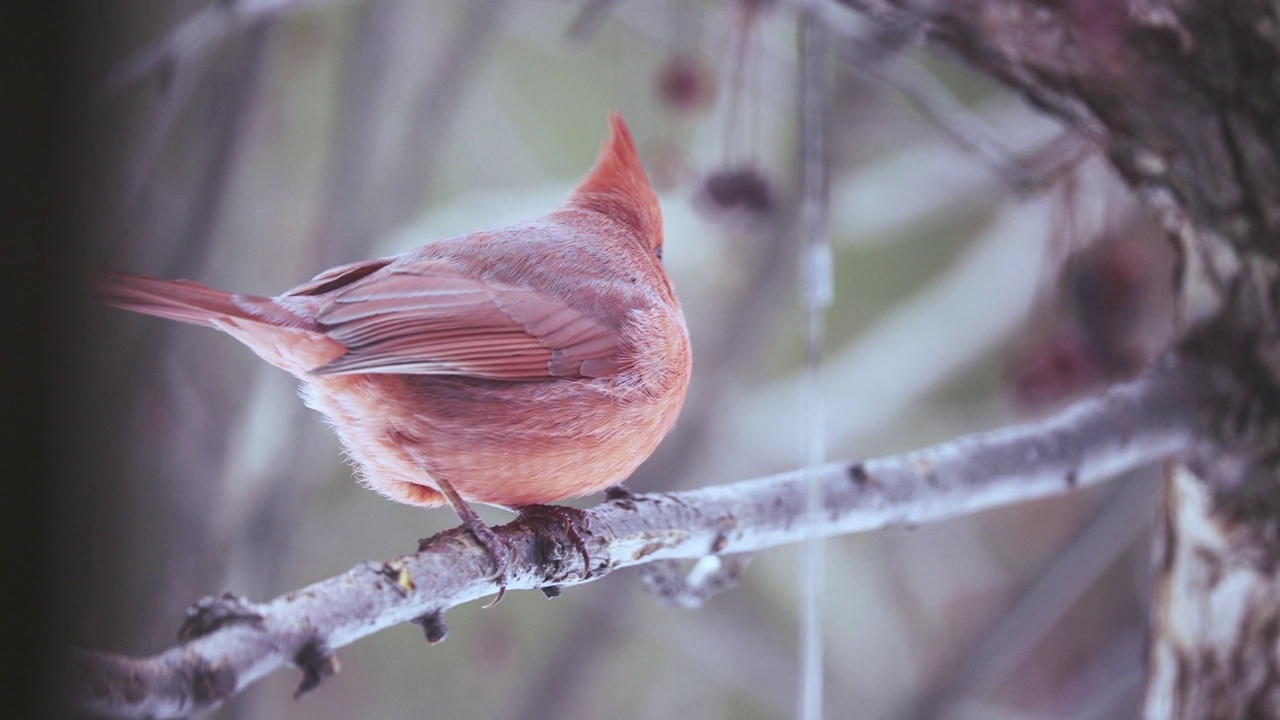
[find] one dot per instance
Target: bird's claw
(569, 518)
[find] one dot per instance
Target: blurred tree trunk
(1183, 96)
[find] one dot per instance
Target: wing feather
(431, 317)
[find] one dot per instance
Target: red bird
(515, 366)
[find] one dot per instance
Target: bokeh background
(989, 268)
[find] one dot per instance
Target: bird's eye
(657, 252)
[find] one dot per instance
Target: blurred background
(989, 269)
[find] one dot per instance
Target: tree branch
(195, 35)
(230, 643)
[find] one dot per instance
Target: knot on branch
(211, 613)
(433, 627)
(317, 662)
(708, 576)
(398, 573)
(212, 683)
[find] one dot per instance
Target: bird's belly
(495, 442)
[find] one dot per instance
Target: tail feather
(189, 302)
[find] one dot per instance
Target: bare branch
(190, 39)
(1141, 422)
(711, 575)
(1045, 166)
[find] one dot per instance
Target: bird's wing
(338, 277)
(428, 317)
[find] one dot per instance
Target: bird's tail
(189, 302)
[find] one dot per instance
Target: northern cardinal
(513, 367)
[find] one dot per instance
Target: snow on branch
(228, 643)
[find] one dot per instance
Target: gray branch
(230, 643)
(197, 34)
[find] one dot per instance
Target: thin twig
(969, 132)
(818, 279)
(591, 16)
(190, 39)
(1146, 420)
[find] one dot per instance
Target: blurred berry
(742, 189)
(686, 85)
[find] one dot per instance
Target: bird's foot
(571, 519)
(500, 550)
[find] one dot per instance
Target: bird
(516, 366)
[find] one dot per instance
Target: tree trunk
(1184, 98)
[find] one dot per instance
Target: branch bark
(231, 643)
(1215, 651)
